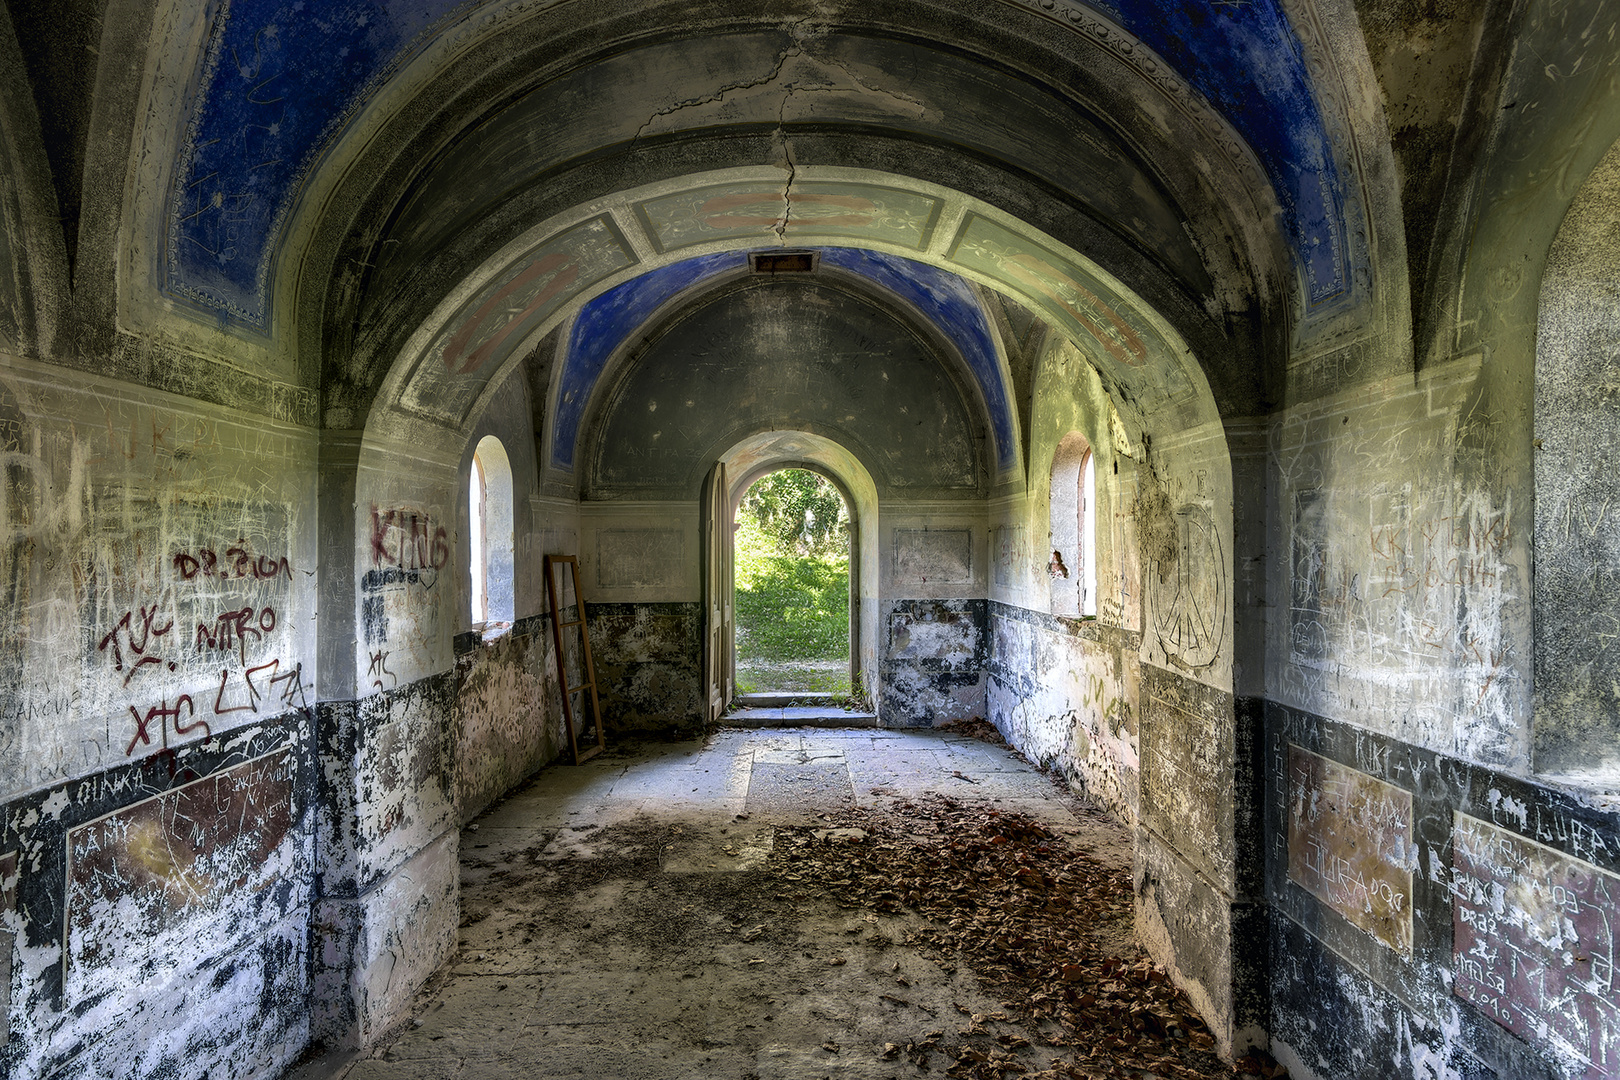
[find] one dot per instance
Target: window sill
(1598, 788)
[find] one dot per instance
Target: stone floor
(620, 919)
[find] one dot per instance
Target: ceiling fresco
(947, 301)
(280, 80)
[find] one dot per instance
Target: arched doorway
(737, 471)
(791, 587)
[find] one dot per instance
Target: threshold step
(751, 716)
(775, 699)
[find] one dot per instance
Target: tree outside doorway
(792, 586)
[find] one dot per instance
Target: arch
(426, 399)
(675, 402)
(1072, 509)
(767, 452)
(1577, 427)
(490, 543)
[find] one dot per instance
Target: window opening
(475, 542)
(792, 585)
(1073, 565)
(489, 534)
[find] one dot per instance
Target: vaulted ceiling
(340, 188)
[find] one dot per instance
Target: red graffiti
(408, 540)
(379, 666)
(148, 615)
(291, 683)
(240, 563)
(230, 629)
(163, 714)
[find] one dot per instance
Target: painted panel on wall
(1078, 303)
(1350, 845)
(446, 380)
(1533, 940)
(814, 208)
(933, 556)
(640, 558)
(137, 878)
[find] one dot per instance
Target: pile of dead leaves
(1010, 896)
(976, 728)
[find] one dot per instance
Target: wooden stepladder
(558, 625)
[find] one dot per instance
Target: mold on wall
(813, 353)
(932, 670)
(648, 665)
(1065, 692)
(389, 842)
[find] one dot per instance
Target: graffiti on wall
(1350, 845)
(1189, 591)
(163, 654)
(1409, 587)
(1533, 939)
(138, 878)
(406, 552)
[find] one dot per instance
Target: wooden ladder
(568, 692)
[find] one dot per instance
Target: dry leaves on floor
(976, 728)
(1031, 916)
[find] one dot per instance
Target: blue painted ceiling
(946, 300)
(282, 78)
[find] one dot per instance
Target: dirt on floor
(805, 937)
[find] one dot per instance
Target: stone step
(825, 716)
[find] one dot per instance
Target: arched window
(490, 547)
(1073, 563)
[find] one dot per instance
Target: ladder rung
(566, 625)
(581, 686)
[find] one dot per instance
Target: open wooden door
(717, 595)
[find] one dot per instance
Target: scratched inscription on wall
(939, 556)
(1350, 845)
(640, 558)
(1012, 553)
(1533, 942)
(141, 880)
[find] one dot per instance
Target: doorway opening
(791, 578)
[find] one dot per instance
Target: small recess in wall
(782, 262)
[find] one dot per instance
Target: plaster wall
(1061, 688)
(157, 666)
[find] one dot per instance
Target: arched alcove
(1577, 476)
